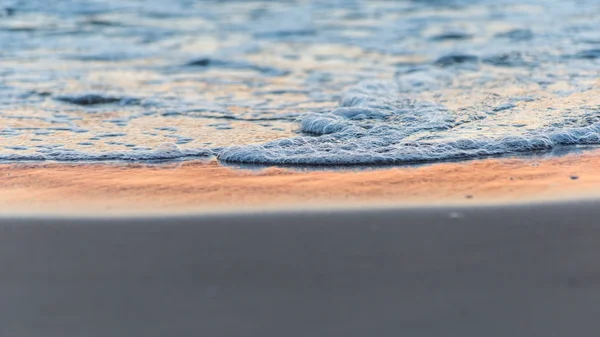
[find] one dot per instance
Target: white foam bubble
(165, 151)
(374, 125)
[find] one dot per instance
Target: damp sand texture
(207, 187)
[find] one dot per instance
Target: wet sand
(436, 263)
(200, 187)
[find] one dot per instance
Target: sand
(494, 271)
(464, 249)
(199, 187)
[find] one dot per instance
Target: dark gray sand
(531, 270)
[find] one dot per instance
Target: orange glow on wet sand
(206, 187)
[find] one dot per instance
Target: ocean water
(302, 82)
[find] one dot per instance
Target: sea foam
(165, 151)
(373, 125)
(303, 82)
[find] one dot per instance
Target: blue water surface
(297, 82)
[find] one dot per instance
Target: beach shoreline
(208, 187)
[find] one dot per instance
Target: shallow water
(296, 82)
